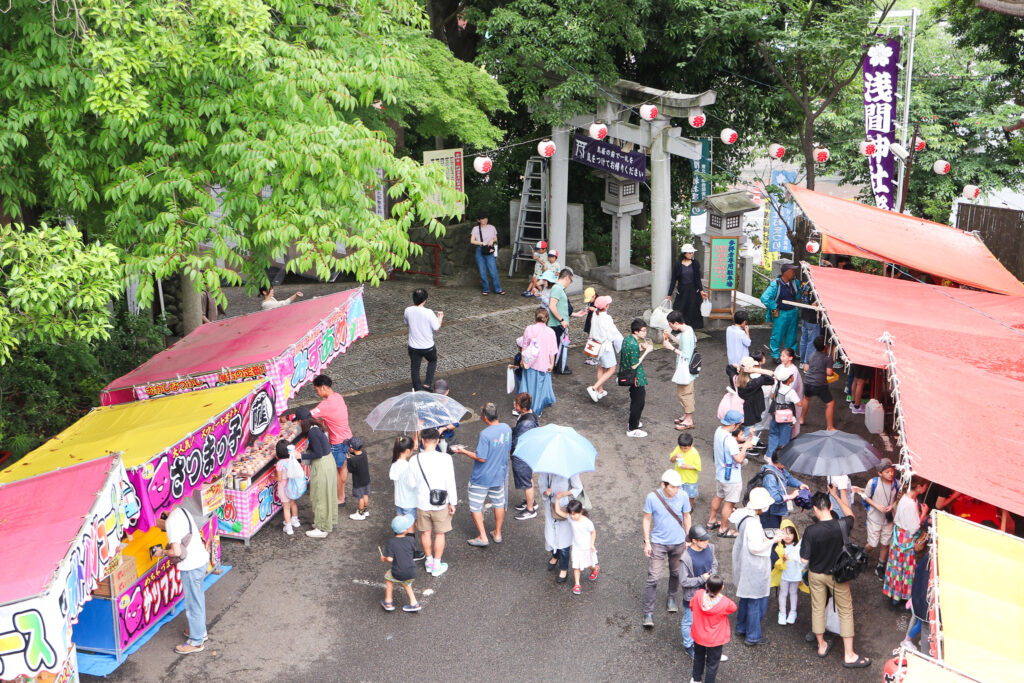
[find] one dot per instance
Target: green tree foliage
(996, 37)
(52, 287)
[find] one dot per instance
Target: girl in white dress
(584, 543)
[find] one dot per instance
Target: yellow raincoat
(779, 552)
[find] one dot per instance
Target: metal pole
(910, 166)
(907, 82)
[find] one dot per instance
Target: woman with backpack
(750, 381)
(607, 337)
(539, 349)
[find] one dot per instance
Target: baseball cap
(542, 245)
(603, 301)
(589, 294)
(672, 478)
(748, 363)
(783, 372)
(553, 252)
(699, 532)
(402, 523)
(355, 444)
(884, 464)
(733, 417)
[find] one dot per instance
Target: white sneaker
(359, 515)
(782, 618)
(908, 645)
(316, 533)
(791, 619)
(296, 523)
(637, 433)
(289, 529)
(439, 568)
(428, 565)
(724, 658)
(594, 396)
(639, 425)
(602, 394)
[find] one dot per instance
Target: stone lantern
(725, 219)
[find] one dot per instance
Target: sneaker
(316, 533)
(418, 555)
(289, 529)
(359, 515)
(414, 607)
(594, 396)
(205, 638)
(724, 658)
(594, 572)
(782, 618)
(636, 433)
(605, 393)
(387, 606)
(186, 649)
(428, 565)
(648, 621)
(439, 568)
(639, 425)
(858, 410)
(526, 514)
(577, 589)
(296, 523)
(690, 651)
(671, 606)
(908, 645)
(520, 507)
(791, 619)
(880, 571)
(590, 361)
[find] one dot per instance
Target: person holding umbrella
(557, 490)
(522, 474)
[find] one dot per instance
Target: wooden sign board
(723, 266)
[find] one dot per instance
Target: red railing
(437, 271)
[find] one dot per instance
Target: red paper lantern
(598, 131)
(821, 155)
(729, 136)
(813, 247)
(776, 151)
(648, 112)
(546, 148)
(482, 164)
(867, 148)
(941, 167)
(894, 670)
(918, 144)
(697, 119)
(971, 191)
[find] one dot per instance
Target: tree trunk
(191, 309)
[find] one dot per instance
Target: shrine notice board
(723, 264)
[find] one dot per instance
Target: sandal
(861, 663)
(387, 605)
(711, 526)
(828, 648)
(728, 534)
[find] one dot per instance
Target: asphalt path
(297, 608)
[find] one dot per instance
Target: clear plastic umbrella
(415, 410)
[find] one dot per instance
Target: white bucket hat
(688, 248)
(760, 499)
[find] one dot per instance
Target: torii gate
(662, 141)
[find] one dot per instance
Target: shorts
(861, 371)
(478, 494)
(400, 582)
(879, 533)
(360, 491)
(522, 475)
(438, 521)
(340, 453)
(606, 359)
(691, 490)
(822, 392)
(685, 393)
(730, 492)
(399, 511)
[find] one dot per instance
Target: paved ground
(301, 609)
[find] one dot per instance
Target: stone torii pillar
(661, 138)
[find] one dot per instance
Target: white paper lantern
(919, 144)
(971, 191)
(776, 151)
(867, 148)
(941, 167)
(821, 155)
(598, 131)
(648, 112)
(813, 247)
(729, 136)
(697, 119)
(482, 164)
(546, 148)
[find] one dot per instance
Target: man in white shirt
(422, 323)
(737, 338)
(180, 525)
(432, 470)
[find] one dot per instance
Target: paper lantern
(867, 148)
(918, 144)
(971, 191)
(821, 155)
(598, 131)
(482, 164)
(813, 247)
(941, 167)
(776, 151)
(729, 136)
(697, 119)
(546, 148)
(648, 112)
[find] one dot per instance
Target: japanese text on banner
(880, 81)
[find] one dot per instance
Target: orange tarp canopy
(940, 250)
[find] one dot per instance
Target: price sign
(724, 266)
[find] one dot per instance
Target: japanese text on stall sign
(724, 262)
(880, 80)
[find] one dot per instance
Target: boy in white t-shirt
(879, 496)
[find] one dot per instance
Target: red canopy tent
(289, 345)
(860, 230)
(955, 363)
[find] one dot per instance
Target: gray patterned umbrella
(827, 453)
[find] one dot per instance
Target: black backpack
(851, 559)
(758, 480)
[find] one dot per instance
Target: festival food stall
(174, 449)
(60, 534)
(288, 346)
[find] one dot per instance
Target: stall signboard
(609, 158)
(724, 262)
(199, 458)
(35, 634)
(212, 496)
(245, 512)
(453, 163)
(299, 364)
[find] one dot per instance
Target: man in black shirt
(820, 549)
(938, 496)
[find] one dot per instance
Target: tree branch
(782, 79)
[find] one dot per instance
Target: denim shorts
(691, 490)
(405, 511)
(340, 453)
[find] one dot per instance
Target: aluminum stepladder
(532, 222)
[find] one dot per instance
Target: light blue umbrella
(556, 450)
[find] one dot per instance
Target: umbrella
(415, 410)
(556, 450)
(828, 453)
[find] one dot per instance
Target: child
(589, 295)
(584, 540)
(403, 567)
(710, 630)
(697, 565)
(788, 550)
(540, 256)
(359, 468)
(290, 507)
(687, 462)
(447, 431)
(788, 358)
